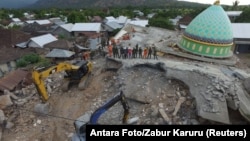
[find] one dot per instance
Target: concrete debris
(133, 120)
(29, 90)
(39, 121)
(12, 95)
(9, 125)
(233, 104)
(246, 85)
(244, 102)
(211, 107)
(194, 122)
(2, 117)
(42, 109)
(178, 105)
(165, 116)
(5, 101)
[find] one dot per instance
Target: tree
(161, 22)
(244, 16)
(75, 17)
(235, 4)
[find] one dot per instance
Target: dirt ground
(146, 88)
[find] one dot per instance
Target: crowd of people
(117, 51)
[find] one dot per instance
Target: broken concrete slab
(244, 102)
(2, 117)
(246, 85)
(165, 116)
(178, 105)
(211, 103)
(207, 107)
(5, 101)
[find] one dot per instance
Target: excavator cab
(77, 75)
(87, 118)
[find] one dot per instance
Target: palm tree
(235, 4)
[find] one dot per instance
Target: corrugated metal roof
(16, 20)
(67, 27)
(42, 22)
(114, 25)
(43, 39)
(233, 13)
(122, 19)
(59, 44)
(110, 18)
(30, 21)
(241, 30)
(87, 27)
(60, 53)
(11, 80)
(142, 23)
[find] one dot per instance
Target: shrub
(21, 63)
(31, 58)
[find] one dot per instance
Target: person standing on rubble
(155, 52)
(126, 53)
(140, 52)
(136, 50)
(119, 51)
(122, 52)
(130, 50)
(133, 53)
(145, 53)
(149, 52)
(114, 51)
(110, 50)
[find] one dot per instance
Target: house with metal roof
(82, 28)
(60, 53)
(15, 22)
(233, 15)
(109, 19)
(37, 26)
(64, 30)
(122, 20)
(40, 41)
(241, 35)
(111, 26)
(59, 44)
(142, 23)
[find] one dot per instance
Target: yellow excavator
(75, 72)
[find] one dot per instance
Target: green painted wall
(205, 50)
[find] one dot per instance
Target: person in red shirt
(145, 53)
(110, 50)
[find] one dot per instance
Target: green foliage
(75, 17)
(244, 16)
(21, 63)
(33, 59)
(161, 22)
(61, 36)
(16, 27)
(43, 62)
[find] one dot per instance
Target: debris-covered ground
(171, 90)
(153, 98)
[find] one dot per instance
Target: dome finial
(217, 2)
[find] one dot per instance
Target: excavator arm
(39, 76)
(87, 119)
(119, 97)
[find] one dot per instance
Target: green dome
(209, 34)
